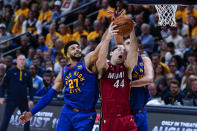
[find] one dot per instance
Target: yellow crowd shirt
(21, 11)
(76, 36)
(66, 38)
(45, 16)
(103, 12)
(49, 39)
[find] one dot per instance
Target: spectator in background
(165, 32)
(2, 71)
(63, 62)
(55, 18)
(191, 58)
(152, 90)
(155, 57)
(88, 25)
(64, 35)
(176, 39)
(35, 8)
(9, 20)
(45, 14)
(188, 48)
(8, 62)
(79, 32)
(139, 21)
(163, 90)
(91, 46)
(58, 65)
(181, 13)
(47, 84)
(17, 28)
(174, 96)
(29, 59)
(17, 80)
(194, 44)
(46, 57)
(94, 34)
(83, 43)
(192, 30)
(172, 52)
(23, 10)
(174, 70)
(190, 70)
(4, 35)
(181, 27)
(37, 80)
(41, 43)
(159, 79)
(104, 11)
(24, 42)
(193, 96)
(37, 62)
(2, 8)
(146, 38)
(155, 29)
(191, 12)
(32, 25)
(163, 50)
(52, 33)
(104, 22)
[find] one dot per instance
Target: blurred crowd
(44, 26)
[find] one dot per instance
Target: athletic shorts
(75, 121)
(122, 123)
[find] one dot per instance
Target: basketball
(124, 25)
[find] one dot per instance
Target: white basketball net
(166, 14)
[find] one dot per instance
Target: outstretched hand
(25, 117)
(111, 31)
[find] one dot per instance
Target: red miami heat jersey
(115, 89)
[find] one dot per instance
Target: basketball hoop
(166, 14)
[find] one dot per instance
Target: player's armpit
(148, 74)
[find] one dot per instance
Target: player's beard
(75, 58)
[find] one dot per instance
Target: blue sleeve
(39, 92)
(44, 101)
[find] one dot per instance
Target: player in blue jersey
(141, 76)
(79, 80)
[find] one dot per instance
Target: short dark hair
(155, 54)
(69, 44)
(174, 81)
(112, 49)
(171, 45)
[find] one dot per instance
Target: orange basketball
(124, 25)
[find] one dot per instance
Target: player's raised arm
(44, 101)
(132, 54)
(101, 63)
(91, 58)
(148, 74)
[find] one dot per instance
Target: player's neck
(73, 62)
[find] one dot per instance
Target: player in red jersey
(115, 79)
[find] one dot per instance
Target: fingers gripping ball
(124, 25)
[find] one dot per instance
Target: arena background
(161, 117)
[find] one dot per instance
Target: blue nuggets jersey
(80, 86)
(139, 95)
